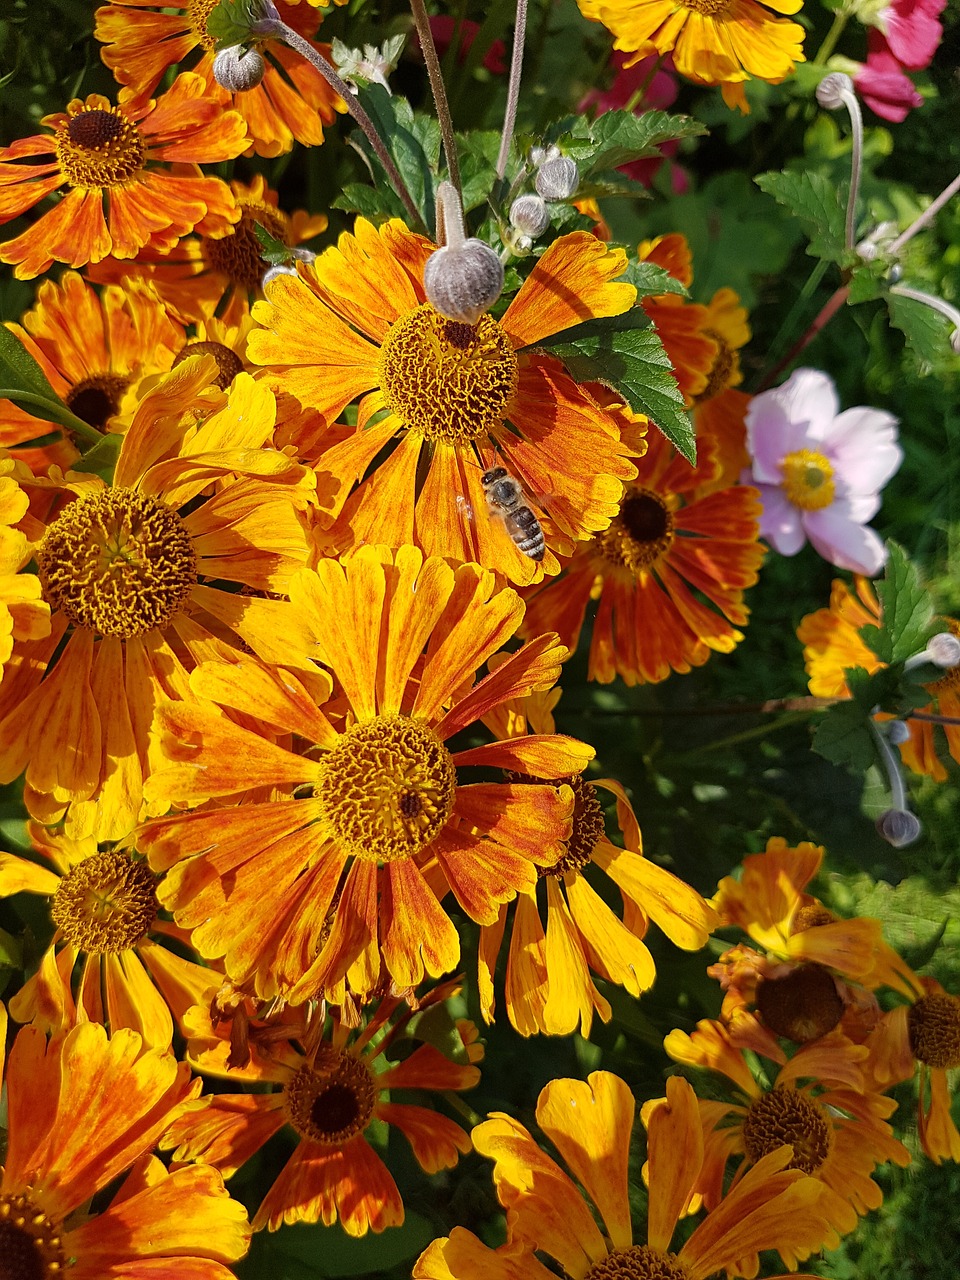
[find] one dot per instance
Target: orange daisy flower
(108, 158)
(291, 104)
(105, 909)
(387, 824)
(92, 347)
(589, 1123)
(924, 1034)
(455, 398)
(681, 325)
(204, 275)
(330, 1087)
(82, 1111)
(817, 1103)
(669, 541)
(831, 643)
(548, 980)
(133, 574)
(712, 43)
(24, 614)
(815, 969)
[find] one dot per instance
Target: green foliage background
(711, 774)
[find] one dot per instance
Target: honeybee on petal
(505, 500)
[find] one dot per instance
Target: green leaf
(816, 203)
(926, 330)
(11, 951)
(437, 1026)
(907, 612)
(844, 737)
(650, 280)
(916, 917)
(370, 202)
(101, 460)
(232, 22)
(478, 165)
(619, 137)
(626, 354)
(344, 1255)
(867, 282)
(413, 141)
(25, 383)
(273, 251)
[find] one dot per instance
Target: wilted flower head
(820, 472)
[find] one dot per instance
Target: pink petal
(780, 522)
(844, 543)
(883, 86)
(863, 448)
(912, 30)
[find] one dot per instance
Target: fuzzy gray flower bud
(898, 731)
(899, 827)
(944, 649)
(238, 69)
(463, 280)
(530, 215)
(833, 90)
(557, 178)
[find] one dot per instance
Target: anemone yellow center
(30, 1244)
(445, 380)
(933, 1024)
(106, 903)
(99, 147)
(639, 1262)
(198, 11)
(808, 480)
(229, 363)
(239, 254)
(640, 534)
(95, 400)
(802, 1005)
(331, 1100)
(117, 562)
(788, 1116)
(387, 788)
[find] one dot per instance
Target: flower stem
(438, 89)
(826, 314)
(513, 88)
(276, 27)
(799, 306)
(928, 215)
(638, 95)
(891, 764)
(840, 21)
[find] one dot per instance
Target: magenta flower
(884, 85)
(912, 30)
(820, 472)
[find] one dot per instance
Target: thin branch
(438, 88)
(513, 89)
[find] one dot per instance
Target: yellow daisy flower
(24, 614)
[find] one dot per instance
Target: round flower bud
(463, 281)
(898, 827)
(898, 731)
(944, 649)
(557, 178)
(833, 89)
(530, 215)
(238, 69)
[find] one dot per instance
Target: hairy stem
(438, 90)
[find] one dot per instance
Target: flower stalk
(513, 88)
(438, 89)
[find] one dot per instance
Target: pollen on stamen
(106, 903)
(787, 1116)
(99, 147)
(332, 1100)
(117, 562)
(933, 1025)
(639, 535)
(638, 1262)
(387, 788)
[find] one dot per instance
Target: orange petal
(674, 1157)
(416, 932)
(225, 1129)
(437, 1141)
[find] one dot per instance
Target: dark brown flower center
(639, 1262)
(332, 1100)
(30, 1246)
(238, 255)
(788, 1116)
(640, 534)
(95, 400)
(933, 1024)
(802, 1005)
(99, 147)
(229, 363)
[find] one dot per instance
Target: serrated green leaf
(907, 611)
(649, 280)
(619, 137)
(916, 918)
(926, 330)
(816, 203)
(273, 251)
(867, 282)
(413, 141)
(232, 22)
(376, 203)
(844, 737)
(625, 353)
(478, 165)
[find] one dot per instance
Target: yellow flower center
(933, 1024)
(387, 788)
(640, 534)
(106, 903)
(117, 562)
(950, 680)
(811, 917)
(99, 147)
(198, 11)
(802, 1005)
(808, 480)
(708, 8)
(30, 1247)
(95, 400)
(239, 255)
(639, 1262)
(722, 369)
(445, 380)
(588, 825)
(229, 363)
(331, 1101)
(787, 1115)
